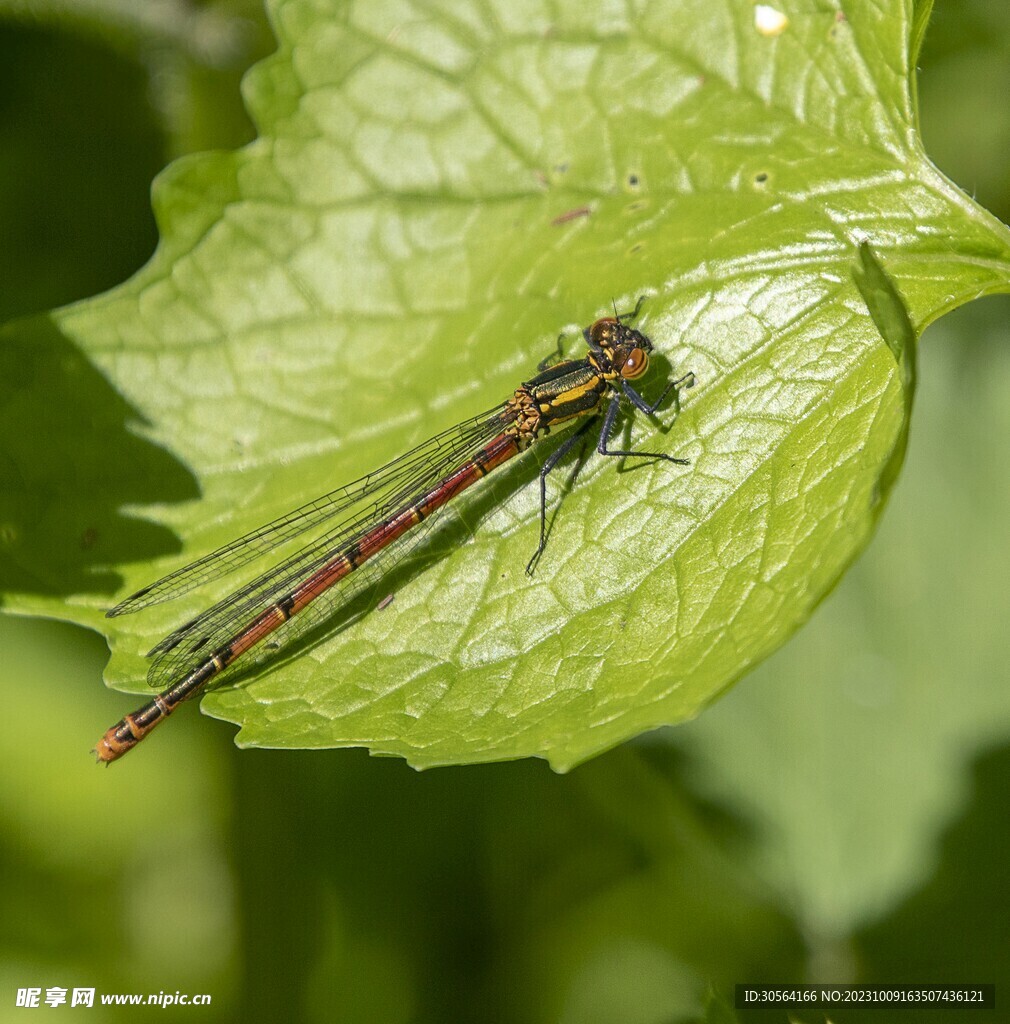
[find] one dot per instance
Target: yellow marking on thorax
(571, 395)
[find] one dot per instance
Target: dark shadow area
(79, 145)
(370, 887)
(954, 930)
(68, 463)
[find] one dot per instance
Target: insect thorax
(522, 410)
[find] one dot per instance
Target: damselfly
(361, 521)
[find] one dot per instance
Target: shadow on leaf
(70, 462)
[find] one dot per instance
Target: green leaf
(395, 253)
(887, 310)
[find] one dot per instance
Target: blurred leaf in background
(967, 53)
(851, 750)
(798, 834)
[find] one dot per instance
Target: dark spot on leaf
(564, 218)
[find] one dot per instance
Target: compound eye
(636, 364)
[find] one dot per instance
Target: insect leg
(687, 381)
(555, 457)
(633, 315)
(611, 418)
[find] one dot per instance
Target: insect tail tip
(105, 752)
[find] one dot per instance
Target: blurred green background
(840, 816)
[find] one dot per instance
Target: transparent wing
(366, 491)
(341, 518)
